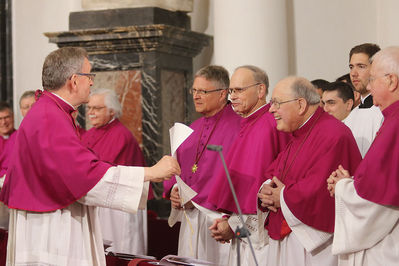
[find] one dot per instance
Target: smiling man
(300, 223)
(367, 205)
(219, 125)
(114, 143)
(338, 99)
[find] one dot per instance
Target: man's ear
(303, 106)
(394, 82)
(349, 105)
(261, 91)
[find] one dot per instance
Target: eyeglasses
(276, 104)
(240, 90)
(5, 118)
(371, 79)
(91, 76)
(95, 108)
(202, 91)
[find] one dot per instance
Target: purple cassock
(376, 178)
(314, 152)
(50, 168)
(6, 152)
(220, 129)
(114, 143)
(258, 144)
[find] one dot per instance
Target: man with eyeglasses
(114, 143)
(219, 125)
(6, 121)
(300, 220)
(365, 119)
(257, 145)
(367, 203)
(54, 183)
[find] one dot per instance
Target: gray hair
(26, 94)
(258, 74)
(60, 65)
(303, 88)
(388, 59)
(111, 100)
(218, 74)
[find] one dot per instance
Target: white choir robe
(366, 233)
(304, 246)
(72, 236)
(195, 240)
(258, 237)
(364, 124)
(126, 231)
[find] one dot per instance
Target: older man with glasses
(257, 146)
(367, 203)
(114, 143)
(218, 126)
(54, 183)
(300, 220)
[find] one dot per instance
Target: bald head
(384, 74)
(248, 89)
(294, 100)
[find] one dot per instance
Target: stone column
(254, 32)
(145, 54)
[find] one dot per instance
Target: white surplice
(304, 246)
(72, 236)
(258, 239)
(195, 240)
(126, 231)
(366, 233)
(364, 124)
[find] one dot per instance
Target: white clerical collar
(363, 98)
(255, 111)
(110, 121)
(63, 100)
(306, 120)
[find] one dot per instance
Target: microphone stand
(240, 232)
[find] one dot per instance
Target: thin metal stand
(241, 232)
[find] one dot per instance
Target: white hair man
(114, 143)
(367, 205)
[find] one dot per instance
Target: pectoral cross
(194, 168)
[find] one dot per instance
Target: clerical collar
(364, 98)
(63, 100)
(255, 111)
(112, 120)
(307, 120)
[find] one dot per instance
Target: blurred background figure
(320, 85)
(338, 99)
(26, 101)
(114, 143)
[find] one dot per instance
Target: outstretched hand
(164, 169)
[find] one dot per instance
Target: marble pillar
(145, 55)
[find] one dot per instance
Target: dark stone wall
(6, 79)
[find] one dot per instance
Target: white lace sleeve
(309, 237)
(122, 188)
